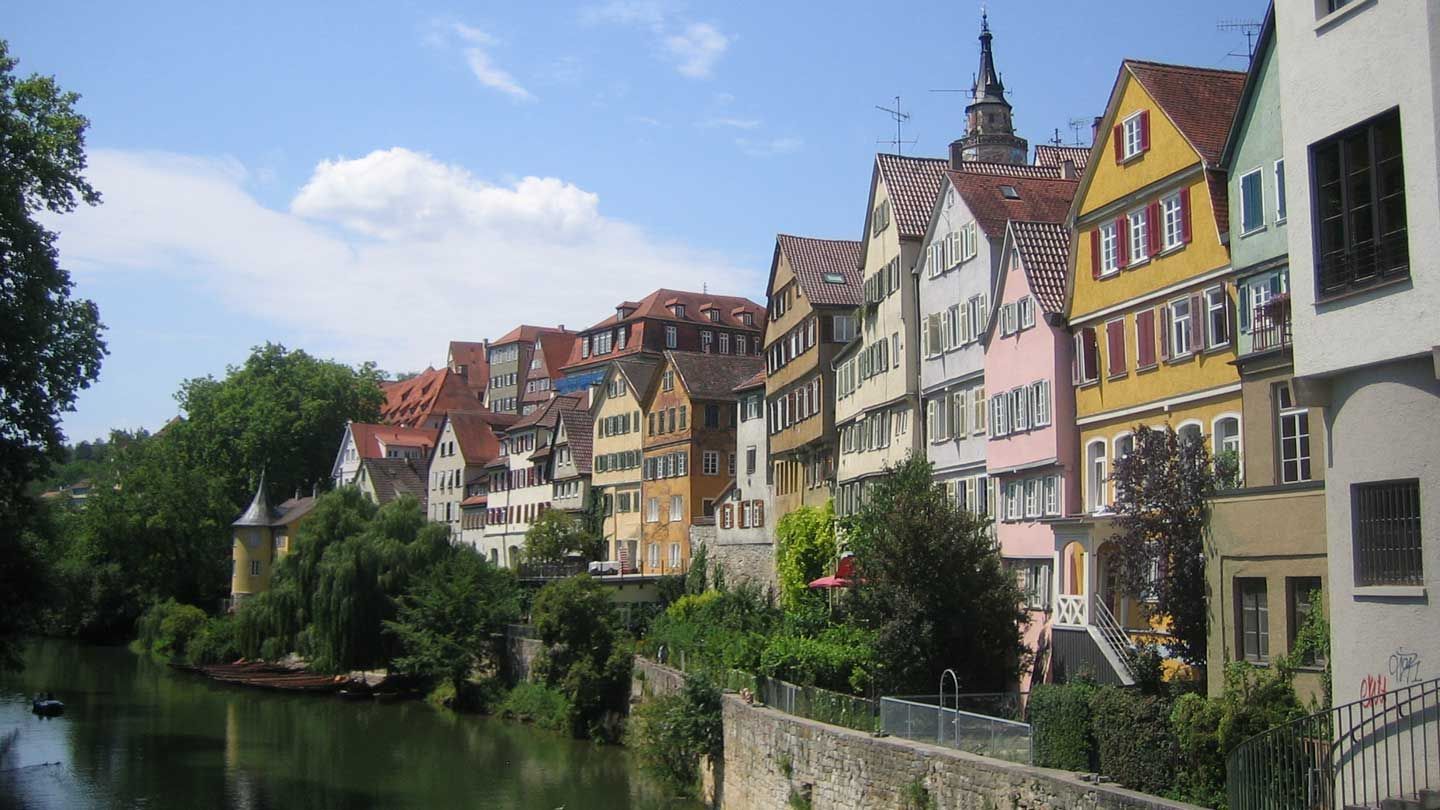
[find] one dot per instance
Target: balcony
(1269, 327)
(1365, 265)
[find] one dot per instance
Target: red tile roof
(368, 438)
(1219, 198)
(757, 381)
(1033, 171)
(1200, 101)
(813, 259)
(1051, 155)
(714, 376)
(554, 350)
(913, 183)
(1045, 253)
(654, 307)
(475, 433)
(432, 393)
(527, 334)
(579, 436)
(547, 414)
(393, 477)
(1040, 200)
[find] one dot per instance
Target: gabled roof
(1052, 155)
(475, 433)
(469, 353)
(1263, 45)
(757, 381)
(393, 477)
(1044, 249)
(813, 259)
(1008, 169)
(546, 414)
(579, 436)
(293, 509)
(713, 376)
(913, 183)
(369, 437)
(525, 333)
(653, 307)
(414, 401)
(1034, 199)
(1200, 101)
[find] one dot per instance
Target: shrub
(214, 643)
(167, 627)
(1200, 777)
(716, 629)
(539, 704)
(586, 657)
(671, 733)
(804, 548)
(841, 659)
(1133, 739)
(1060, 717)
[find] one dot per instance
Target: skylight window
(834, 278)
(1009, 193)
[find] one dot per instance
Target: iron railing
(1115, 636)
(1270, 325)
(1379, 260)
(975, 728)
(1385, 746)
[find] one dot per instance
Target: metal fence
(810, 702)
(1385, 746)
(985, 724)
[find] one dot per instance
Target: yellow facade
(264, 545)
(619, 483)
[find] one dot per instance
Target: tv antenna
(900, 117)
(1251, 30)
(1056, 140)
(1076, 124)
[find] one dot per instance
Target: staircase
(1112, 640)
(1425, 800)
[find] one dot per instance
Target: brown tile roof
(547, 413)
(713, 376)
(525, 333)
(1045, 253)
(913, 183)
(654, 307)
(757, 381)
(475, 359)
(579, 436)
(813, 259)
(475, 433)
(368, 438)
(1200, 101)
(1034, 171)
(1039, 200)
(1051, 155)
(293, 509)
(1219, 198)
(415, 401)
(393, 477)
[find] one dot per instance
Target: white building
(362, 441)
(520, 486)
(467, 442)
(744, 530)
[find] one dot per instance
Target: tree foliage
(804, 550)
(1161, 489)
(933, 588)
(586, 655)
(671, 733)
(555, 535)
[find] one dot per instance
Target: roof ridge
(1178, 66)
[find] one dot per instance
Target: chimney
(1095, 129)
(957, 149)
(1067, 169)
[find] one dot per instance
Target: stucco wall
(1258, 146)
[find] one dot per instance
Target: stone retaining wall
(649, 679)
(520, 655)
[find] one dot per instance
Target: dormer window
(747, 319)
(834, 278)
(1009, 193)
(623, 312)
(713, 315)
(1132, 136)
(678, 310)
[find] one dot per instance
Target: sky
(369, 180)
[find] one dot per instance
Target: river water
(138, 734)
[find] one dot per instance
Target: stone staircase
(1425, 800)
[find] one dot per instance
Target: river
(137, 734)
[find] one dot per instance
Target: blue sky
(369, 180)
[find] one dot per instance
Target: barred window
(1387, 533)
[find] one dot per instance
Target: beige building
(467, 442)
(616, 451)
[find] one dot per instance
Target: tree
(555, 535)
(1161, 488)
(932, 587)
(50, 345)
(804, 548)
(586, 656)
(448, 619)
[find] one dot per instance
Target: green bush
(841, 659)
(539, 704)
(167, 627)
(1200, 777)
(804, 549)
(1133, 739)
(672, 732)
(214, 643)
(1060, 718)
(715, 630)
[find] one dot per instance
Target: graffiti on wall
(1403, 669)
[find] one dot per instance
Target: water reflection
(137, 733)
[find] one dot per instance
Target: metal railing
(1379, 260)
(922, 718)
(1115, 636)
(550, 570)
(810, 702)
(1270, 326)
(1385, 746)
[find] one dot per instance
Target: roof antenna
(1250, 28)
(900, 118)
(1076, 124)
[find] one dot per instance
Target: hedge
(1136, 745)
(1060, 719)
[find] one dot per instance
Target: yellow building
(1151, 309)
(617, 409)
(262, 537)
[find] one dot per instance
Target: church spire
(988, 87)
(989, 121)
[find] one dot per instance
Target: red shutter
(1095, 253)
(1118, 135)
(1152, 227)
(1144, 338)
(1090, 345)
(1115, 337)
(759, 513)
(1122, 241)
(1164, 331)
(1185, 215)
(1198, 329)
(1144, 130)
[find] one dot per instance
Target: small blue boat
(47, 706)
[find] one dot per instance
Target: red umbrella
(843, 577)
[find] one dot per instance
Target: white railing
(1072, 610)
(1115, 636)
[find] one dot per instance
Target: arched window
(1228, 457)
(1191, 432)
(1096, 491)
(1123, 445)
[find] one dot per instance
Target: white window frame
(979, 414)
(1131, 133)
(1212, 305)
(1050, 495)
(652, 510)
(710, 462)
(959, 413)
(1109, 249)
(677, 507)
(1020, 408)
(1097, 486)
(1138, 223)
(1040, 403)
(1280, 200)
(1238, 439)
(1191, 423)
(1032, 497)
(1295, 413)
(1175, 330)
(671, 337)
(1259, 177)
(1027, 312)
(1172, 222)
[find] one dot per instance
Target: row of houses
(1014, 316)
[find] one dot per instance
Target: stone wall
(769, 756)
(520, 654)
(742, 561)
(649, 679)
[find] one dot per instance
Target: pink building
(1031, 453)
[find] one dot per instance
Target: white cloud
(625, 12)
(769, 147)
(696, 49)
(723, 121)
(384, 257)
(475, 44)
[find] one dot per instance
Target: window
(1032, 497)
(977, 404)
(1095, 494)
(710, 462)
(1138, 231)
(1304, 595)
(1191, 432)
(1254, 620)
(1087, 356)
(654, 555)
(1115, 347)
(1012, 501)
(677, 507)
(712, 416)
(740, 344)
(750, 458)
(1144, 339)
(1280, 190)
(1109, 248)
(1226, 439)
(670, 337)
(1040, 403)
(674, 556)
(844, 327)
(1294, 438)
(1387, 533)
(254, 568)
(1181, 329)
(652, 510)
(1027, 312)
(1051, 494)
(1359, 188)
(880, 217)
(1134, 135)
(724, 342)
(1033, 577)
(1173, 217)
(969, 241)
(1252, 202)
(1000, 414)
(1217, 318)
(706, 338)
(1020, 408)
(959, 413)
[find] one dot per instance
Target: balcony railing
(551, 570)
(1380, 260)
(1270, 325)
(1380, 751)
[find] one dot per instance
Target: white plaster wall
(750, 433)
(1336, 72)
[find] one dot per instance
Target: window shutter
(1197, 331)
(1152, 227)
(1185, 215)
(1095, 253)
(759, 513)
(1118, 136)
(1122, 241)
(1229, 316)
(1115, 337)
(1144, 130)
(1165, 332)
(1092, 353)
(1144, 338)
